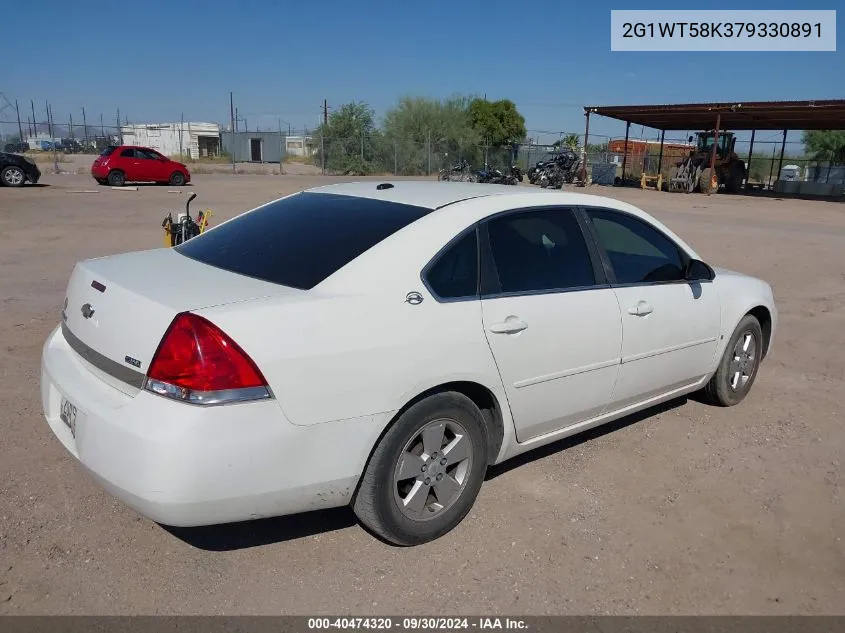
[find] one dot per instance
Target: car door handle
(641, 309)
(511, 325)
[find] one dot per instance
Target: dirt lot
(687, 509)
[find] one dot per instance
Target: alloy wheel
(433, 469)
(743, 362)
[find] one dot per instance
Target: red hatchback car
(117, 165)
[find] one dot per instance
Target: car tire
(116, 178)
(412, 459)
(13, 176)
(177, 179)
(738, 367)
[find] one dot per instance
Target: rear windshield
(300, 240)
(108, 150)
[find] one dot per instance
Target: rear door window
(540, 250)
(300, 240)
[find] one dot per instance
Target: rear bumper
(186, 465)
(99, 172)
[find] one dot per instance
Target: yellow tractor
(693, 172)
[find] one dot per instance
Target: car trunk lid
(118, 308)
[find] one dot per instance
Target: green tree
(497, 122)
(825, 146)
(350, 140)
(417, 126)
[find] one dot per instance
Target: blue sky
(281, 59)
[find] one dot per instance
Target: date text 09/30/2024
(417, 624)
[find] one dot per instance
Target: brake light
(199, 363)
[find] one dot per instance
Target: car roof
(420, 193)
(437, 194)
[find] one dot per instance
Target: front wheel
(707, 182)
(13, 176)
(425, 473)
(738, 368)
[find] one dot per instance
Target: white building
(187, 139)
(298, 146)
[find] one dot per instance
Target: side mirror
(697, 270)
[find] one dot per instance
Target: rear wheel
(12, 176)
(738, 368)
(736, 174)
(116, 178)
(177, 179)
(425, 473)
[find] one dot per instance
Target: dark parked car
(17, 148)
(15, 170)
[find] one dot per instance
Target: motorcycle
(496, 177)
(461, 172)
(561, 168)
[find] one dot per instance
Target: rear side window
(299, 241)
(454, 274)
(128, 153)
(108, 150)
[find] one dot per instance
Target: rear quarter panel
(339, 357)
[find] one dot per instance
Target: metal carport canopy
(744, 115)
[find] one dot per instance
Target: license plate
(67, 412)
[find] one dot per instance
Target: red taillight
(198, 362)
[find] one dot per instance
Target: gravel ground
(683, 509)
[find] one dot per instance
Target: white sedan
(381, 345)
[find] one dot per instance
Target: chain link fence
(605, 158)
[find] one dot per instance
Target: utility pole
(52, 138)
(237, 119)
(34, 124)
(232, 128)
(70, 125)
(102, 127)
(428, 171)
(181, 133)
(325, 112)
(281, 148)
(85, 126)
(119, 131)
(20, 128)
